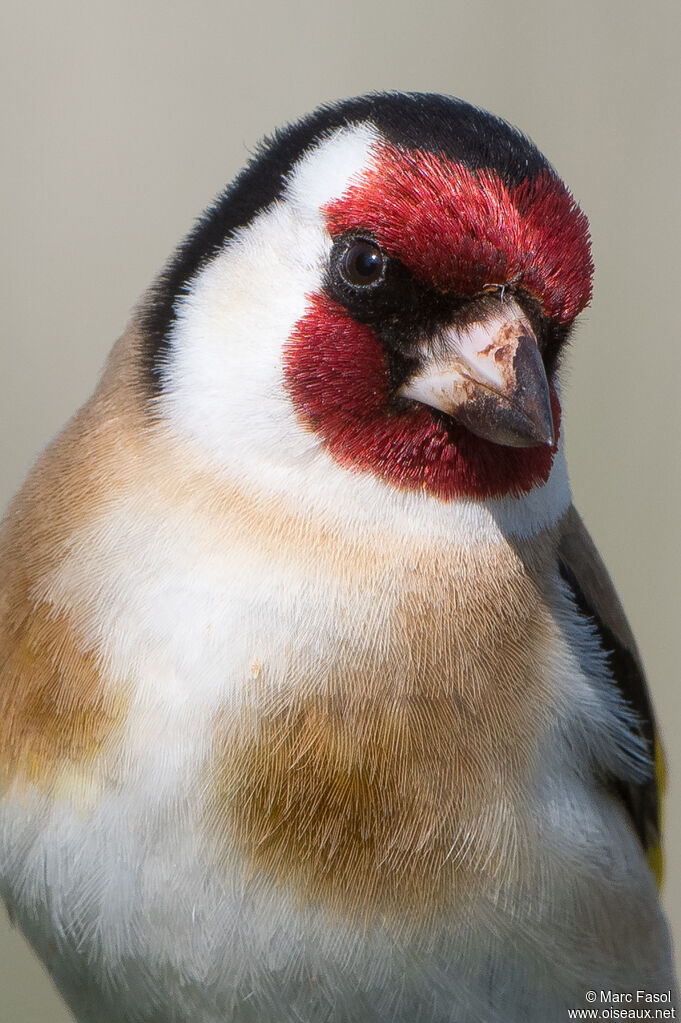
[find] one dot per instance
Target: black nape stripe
(433, 123)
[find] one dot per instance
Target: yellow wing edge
(656, 852)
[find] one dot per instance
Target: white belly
(127, 910)
(114, 874)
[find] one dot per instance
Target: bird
(317, 702)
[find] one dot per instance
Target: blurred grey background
(120, 120)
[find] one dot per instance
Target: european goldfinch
(316, 700)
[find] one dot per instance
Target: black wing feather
(593, 592)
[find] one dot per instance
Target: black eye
(362, 264)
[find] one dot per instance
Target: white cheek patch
(327, 171)
(224, 385)
(224, 375)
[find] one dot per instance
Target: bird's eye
(362, 264)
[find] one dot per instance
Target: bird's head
(385, 292)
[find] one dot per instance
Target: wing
(585, 574)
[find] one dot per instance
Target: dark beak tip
(541, 429)
(542, 440)
(502, 422)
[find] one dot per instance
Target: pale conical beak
(490, 377)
